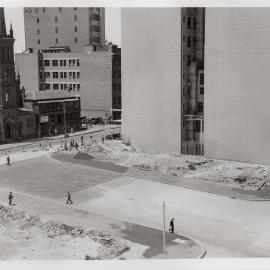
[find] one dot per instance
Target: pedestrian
(69, 198)
(8, 160)
(102, 139)
(81, 140)
(10, 198)
(171, 226)
(76, 146)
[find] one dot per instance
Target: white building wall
(151, 72)
(237, 84)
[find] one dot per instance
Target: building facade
(57, 112)
(94, 75)
(73, 27)
(163, 71)
(16, 121)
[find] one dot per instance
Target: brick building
(16, 121)
(73, 27)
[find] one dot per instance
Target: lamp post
(164, 235)
(65, 125)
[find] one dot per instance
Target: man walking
(8, 160)
(171, 226)
(69, 198)
(10, 198)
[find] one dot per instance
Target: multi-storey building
(94, 75)
(183, 97)
(163, 78)
(73, 27)
(57, 112)
(16, 121)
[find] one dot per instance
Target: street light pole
(164, 235)
(65, 125)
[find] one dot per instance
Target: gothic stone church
(16, 122)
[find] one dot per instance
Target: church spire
(11, 30)
(3, 31)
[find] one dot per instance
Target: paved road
(226, 226)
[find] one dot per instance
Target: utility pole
(164, 235)
(65, 125)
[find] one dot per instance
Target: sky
(15, 15)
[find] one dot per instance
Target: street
(226, 227)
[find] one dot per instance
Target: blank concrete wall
(151, 90)
(237, 84)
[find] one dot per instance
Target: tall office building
(181, 96)
(162, 78)
(73, 27)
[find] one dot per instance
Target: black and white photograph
(134, 132)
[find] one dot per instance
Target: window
(55, 63)
(78, 74)
(75, 17)
(188, 42)
(55, 19)
(74, 75)
(200, 107)
(188, 22)
(76, 39)
(65, 75)
(38, 31)
(189, 59)
(55, 86)
(75, 8)
(78, 62)
(56, 30)
(201, 78)
(78, 87)
(55, 74)
(60, 9)
(75, 29)
(30, 122)
(47, 74)
(194, 23)
(62, 86)
(194, 42)
(43, 9)
(46, 63)
(38, 41)
(201, 90)
(56, 41)
(70, 75)
(37, 20)
(47, 86)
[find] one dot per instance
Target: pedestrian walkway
(185, 182)
(178, 246)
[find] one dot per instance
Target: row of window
(57, 41)
(61, 62)
(60, 86)
(36, 10)
(189, 21)
(62, 74)
(56, 18)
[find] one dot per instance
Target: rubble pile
(236, 174)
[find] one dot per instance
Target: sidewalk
(35, 141)
(185, 182)
(178, 246)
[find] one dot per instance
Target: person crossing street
(69, 198)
